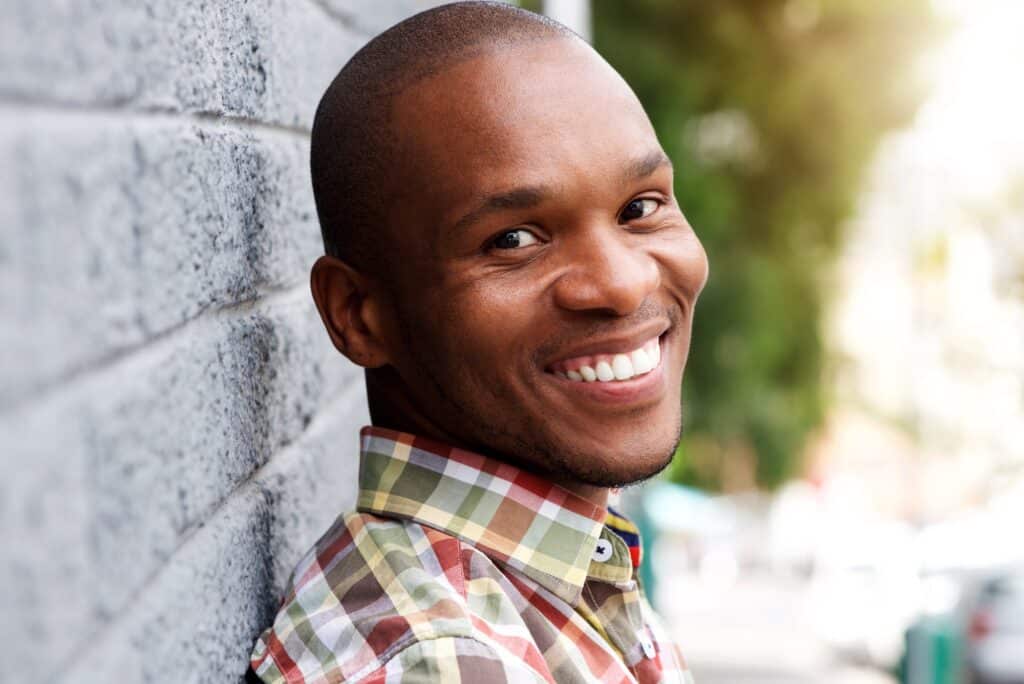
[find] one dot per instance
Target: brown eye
(638, 209)
(514, 239)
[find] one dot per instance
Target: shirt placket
(613, 596)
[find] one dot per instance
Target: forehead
(537, 114)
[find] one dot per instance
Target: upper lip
(612, 344)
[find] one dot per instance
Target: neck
(392, 409)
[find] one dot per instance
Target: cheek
(685, 263)
(492, 319)
(476, 331)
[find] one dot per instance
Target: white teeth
(641, 364)
(622, 367)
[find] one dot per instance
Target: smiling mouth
(611, 367)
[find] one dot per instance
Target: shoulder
(368, 590)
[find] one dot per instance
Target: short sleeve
(456, 660)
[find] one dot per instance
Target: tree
(770, 110)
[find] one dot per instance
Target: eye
(642, 207)
(514, 239)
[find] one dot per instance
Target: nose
(607, 274)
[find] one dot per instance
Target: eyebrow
(517, 198)
(647, 165)
(529, 196)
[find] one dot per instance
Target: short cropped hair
(352, 150)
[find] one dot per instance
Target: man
(506, 259)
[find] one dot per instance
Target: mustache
(607, 326)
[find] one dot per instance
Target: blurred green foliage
(771, 111)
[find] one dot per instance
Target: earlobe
(348, 309)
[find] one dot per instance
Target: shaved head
(354, 155)
(498, 211)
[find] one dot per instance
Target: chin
(633, 460)
(641, 469)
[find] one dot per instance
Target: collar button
(646, 645)
(603, 551)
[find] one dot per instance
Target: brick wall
(176, 427)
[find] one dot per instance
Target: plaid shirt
(462, 568)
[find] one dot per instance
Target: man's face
(536, 241)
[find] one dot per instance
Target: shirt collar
(517, 518)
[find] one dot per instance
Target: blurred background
(847, 503)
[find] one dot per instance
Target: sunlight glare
(976, 113)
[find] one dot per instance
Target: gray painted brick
(268, 60)
(116, 230)
(117, 470)
(198, 619)
(176, 425)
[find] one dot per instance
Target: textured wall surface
(176, 427)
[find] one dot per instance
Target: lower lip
(650, 385)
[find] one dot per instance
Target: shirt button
(603, 550)
(646, 645)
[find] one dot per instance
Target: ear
(351, 309)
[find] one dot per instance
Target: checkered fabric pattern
(461, 568)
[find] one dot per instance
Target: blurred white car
(995, 634)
